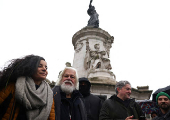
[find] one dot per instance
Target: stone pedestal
(91, 58)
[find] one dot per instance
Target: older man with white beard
(67, 98)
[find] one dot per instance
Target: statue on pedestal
(93, 21)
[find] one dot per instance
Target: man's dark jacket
(161, 116)
(65, 107)
(116, 109)
(93, 105)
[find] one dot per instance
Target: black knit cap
(83, 79)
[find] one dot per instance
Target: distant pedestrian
(153, 114)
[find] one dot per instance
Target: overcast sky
(141, 49)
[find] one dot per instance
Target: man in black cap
(92, 103)
(163, 101)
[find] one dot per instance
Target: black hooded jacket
(92, 103)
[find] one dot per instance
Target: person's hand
(129, 118)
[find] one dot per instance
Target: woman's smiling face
(41, 72)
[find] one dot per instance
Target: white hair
(61, 75)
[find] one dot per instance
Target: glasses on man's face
(71, 76)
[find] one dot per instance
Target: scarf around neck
(38, 102)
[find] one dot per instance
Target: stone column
(92, 52)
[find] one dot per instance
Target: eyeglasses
(71, 76)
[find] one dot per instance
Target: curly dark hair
(25, 66)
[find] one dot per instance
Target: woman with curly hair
(24, 94)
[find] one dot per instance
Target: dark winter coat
(93, 105)
(66, 108)
(115, 109)
(161, 116)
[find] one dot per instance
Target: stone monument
(91, 59)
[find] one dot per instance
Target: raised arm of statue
(90, 3)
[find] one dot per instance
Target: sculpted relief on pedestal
(108, 44)
(94, 59)
(78, 46)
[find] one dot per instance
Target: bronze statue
(93, 21)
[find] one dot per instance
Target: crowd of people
(25, 95)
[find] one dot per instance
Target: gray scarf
(38, 102)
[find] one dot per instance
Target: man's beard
(164, 106)
(67, 88)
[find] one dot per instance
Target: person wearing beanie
(92, 103)
(163, 101)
